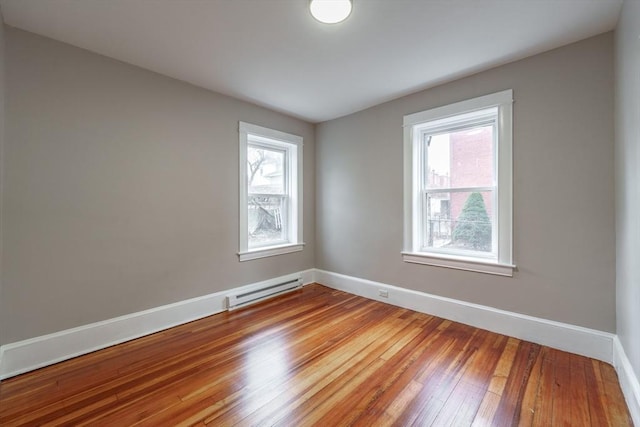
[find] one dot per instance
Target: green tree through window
(473, 228)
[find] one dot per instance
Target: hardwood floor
(319, 357)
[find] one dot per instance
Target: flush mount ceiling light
(330, 11)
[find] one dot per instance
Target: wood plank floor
(319, 357)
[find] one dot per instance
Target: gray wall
(121, 189)
(627, 106)
(1, 150)
(563, 189)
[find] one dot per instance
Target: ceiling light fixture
(330, 11)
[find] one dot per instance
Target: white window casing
(291, 146)
(490, 110)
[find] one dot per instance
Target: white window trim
(411, 253)
(295, 242)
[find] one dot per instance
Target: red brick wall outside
(471, 165)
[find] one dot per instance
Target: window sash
(287, 157)
(468, 124)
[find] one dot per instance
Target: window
(270, 192)
(457, 185)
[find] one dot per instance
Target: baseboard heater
(260, 293)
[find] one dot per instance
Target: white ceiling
(273, 53)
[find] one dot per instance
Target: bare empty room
(320, 212)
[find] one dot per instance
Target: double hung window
(270, 192)
(458, 185)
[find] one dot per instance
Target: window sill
(459, 263)
(270, 251)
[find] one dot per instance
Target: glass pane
(460, 159)
(267, 219)
(458, 221)
(265, 170)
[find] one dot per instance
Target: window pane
(458, 220)
(265, 170)
(267, 218)
(460, 159)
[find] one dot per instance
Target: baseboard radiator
(261, 293)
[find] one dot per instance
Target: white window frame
(500, 260)
(291, 145)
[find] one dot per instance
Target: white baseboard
(628, 380)
(574, 339)
(23, 356)
(563, 336)
(34, 353)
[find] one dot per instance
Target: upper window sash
(421, 146)
(286, 151)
